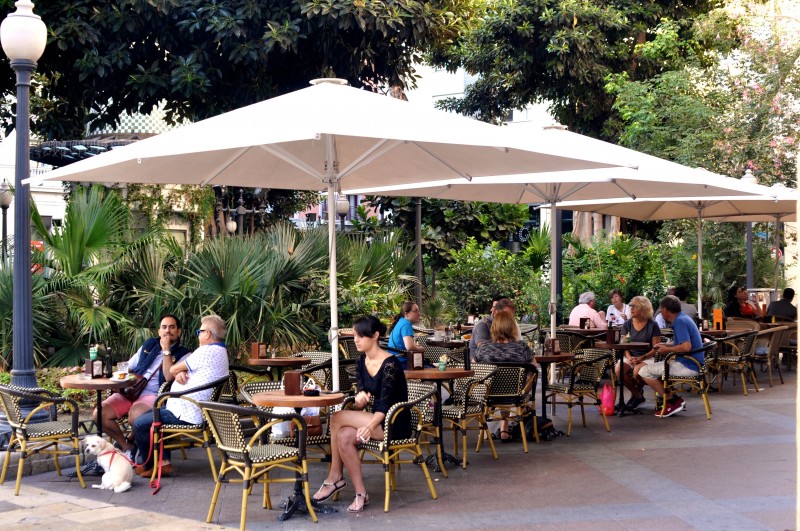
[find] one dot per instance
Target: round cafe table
(435, 375)
(77, 381)
(280, 365)
(278, 398)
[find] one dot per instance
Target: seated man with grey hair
(585, 308)
(207, 364)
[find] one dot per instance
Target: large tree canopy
(530, 51)
(205, 57)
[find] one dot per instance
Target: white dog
(118, 470)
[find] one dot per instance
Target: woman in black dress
(379, 376)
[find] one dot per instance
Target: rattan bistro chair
(696, 383)
(183, 436)
(39, 437)
(512, 391)
(320, 445)
(389, 450)
(581, 381)
(737, 357)
(253, 460)
(468, 408)
(770, 356)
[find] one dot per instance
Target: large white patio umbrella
(324, 137)
(654, 178)
(773, 204)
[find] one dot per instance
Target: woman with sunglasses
(642, 329)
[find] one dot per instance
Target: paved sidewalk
(736, 471)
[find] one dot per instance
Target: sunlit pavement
(736, 471)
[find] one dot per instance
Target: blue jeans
(141, 432)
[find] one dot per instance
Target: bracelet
(166, 353)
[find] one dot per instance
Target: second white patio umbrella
(774, 204)
(654, 178)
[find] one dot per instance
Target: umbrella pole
(331, 170)
(700, 263)
(777, 250)
(553, 250)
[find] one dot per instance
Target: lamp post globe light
(23, 37)
(5, 202)
(342, 208)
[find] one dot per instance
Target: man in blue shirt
(686, 339)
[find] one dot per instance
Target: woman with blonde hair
(504, 348)
(642, 329)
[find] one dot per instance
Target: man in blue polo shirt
(686, 339)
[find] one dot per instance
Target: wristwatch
(166, 353)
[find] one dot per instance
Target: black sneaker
(634, 402)
(89, 469)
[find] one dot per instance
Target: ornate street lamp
(5, 202)
(23, 36)
(342, 208)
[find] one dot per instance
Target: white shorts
(654, 370)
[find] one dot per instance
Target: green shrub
(478, 273)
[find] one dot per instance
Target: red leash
(156, 483)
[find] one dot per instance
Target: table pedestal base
(437, 462)
(625, 410)
(450, 459)
(297, 503)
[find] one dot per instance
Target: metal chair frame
(250, 458)
(39, 437)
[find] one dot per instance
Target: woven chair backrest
(10, 405)
(591, 372)
(507, 382)
(249, 389)
(417, 390)
(322, 377)
(348, 347)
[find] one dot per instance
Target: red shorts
(122, 405)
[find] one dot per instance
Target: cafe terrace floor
(736, 471)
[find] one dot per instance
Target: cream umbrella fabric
(771, 204)
(322, 138)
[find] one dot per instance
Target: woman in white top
(618, 312)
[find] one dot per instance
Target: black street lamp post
(23, 36)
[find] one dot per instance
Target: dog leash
(156, 483)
